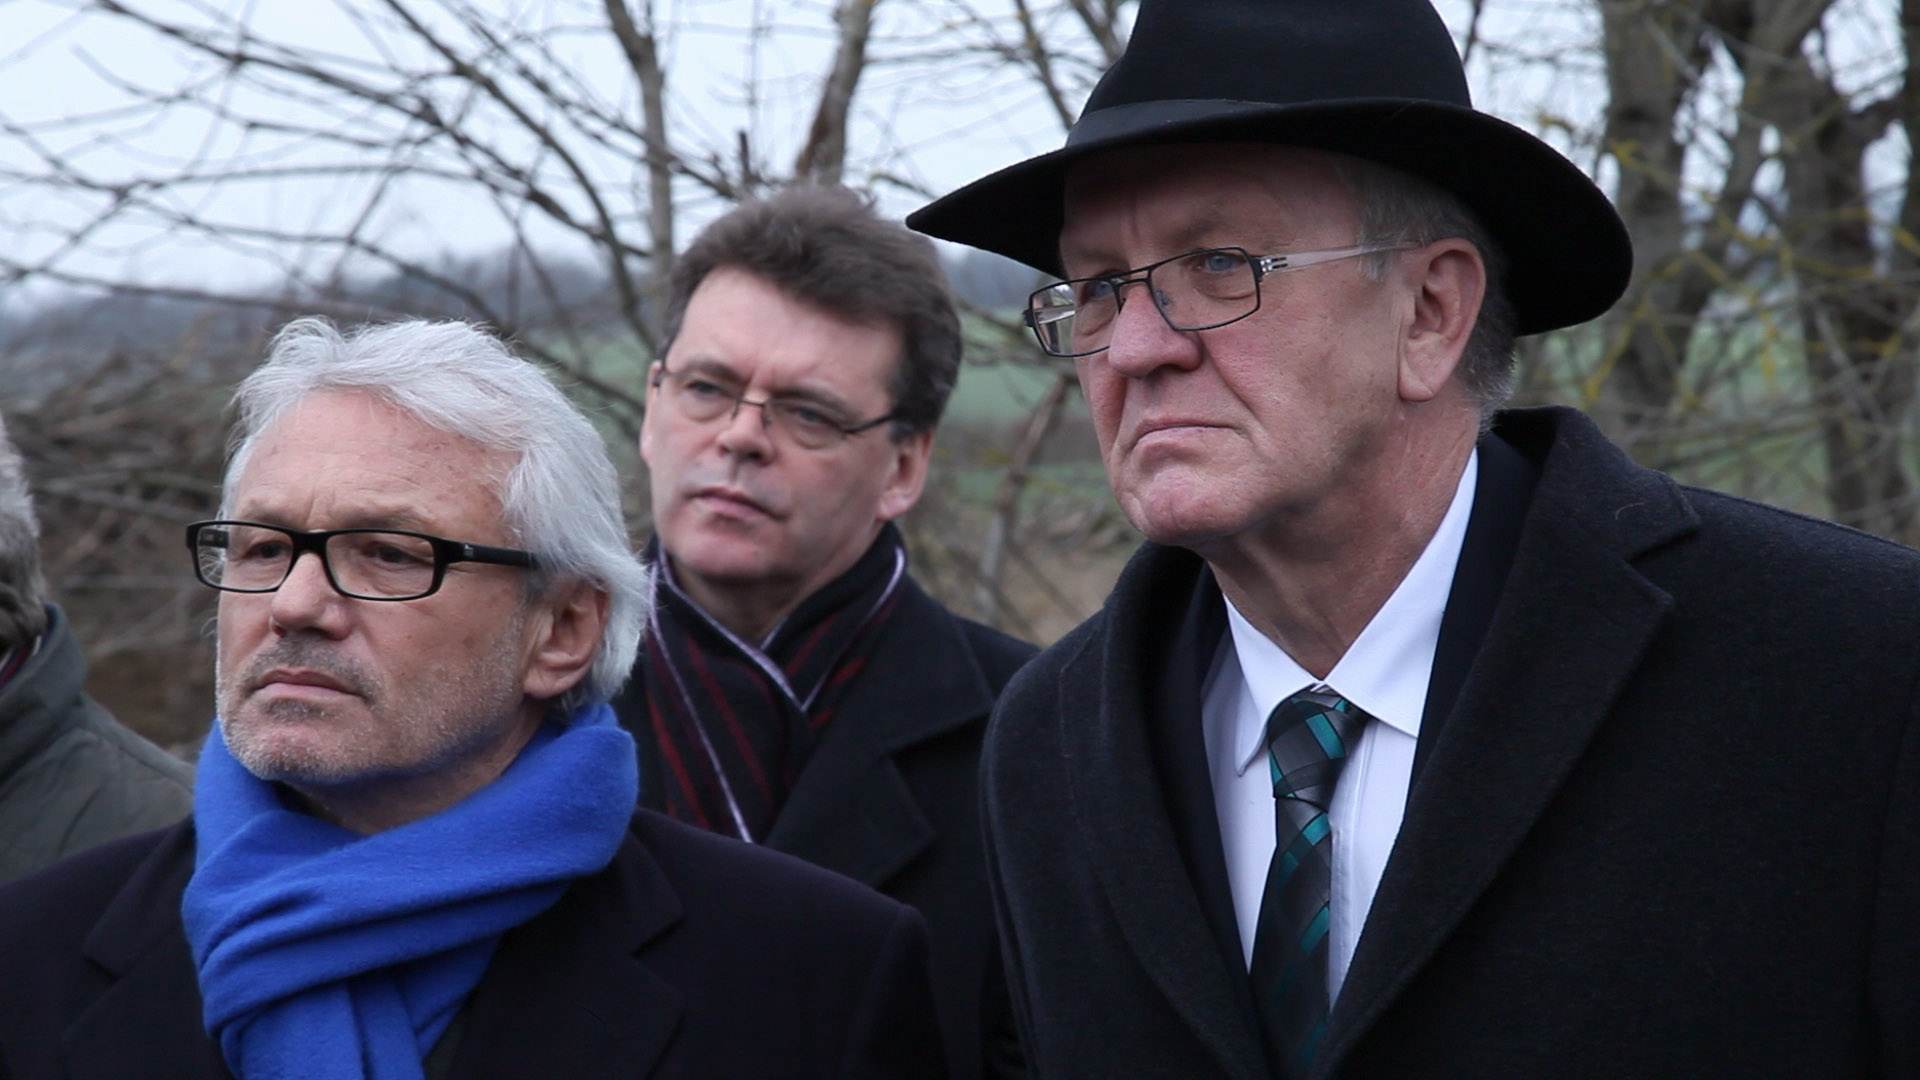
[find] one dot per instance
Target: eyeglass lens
(702, 400)
(1196, 291)
(361, 562)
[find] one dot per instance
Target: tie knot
(1308, 736)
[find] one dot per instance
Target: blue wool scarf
(325, 954)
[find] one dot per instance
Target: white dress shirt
(1385, 673)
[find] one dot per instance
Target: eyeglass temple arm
(465, 552)
(1273, 264)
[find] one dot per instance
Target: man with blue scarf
(413, 852)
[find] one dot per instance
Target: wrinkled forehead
(356, 449)
(1190, 195)
(741, 326)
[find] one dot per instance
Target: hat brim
(1569, 257)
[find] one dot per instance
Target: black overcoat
(689, 957)
(889, 797)
(1665, 820)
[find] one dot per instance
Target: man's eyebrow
(721, 371)
(390, 519)
(710, 366)
(1205, 229)
(377, 518)
(806, 395)
(1083, 254)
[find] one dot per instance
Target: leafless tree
(1764, 346)
(1742, 131)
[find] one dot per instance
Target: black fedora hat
(1375, 79)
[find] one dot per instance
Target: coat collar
(41, 694)
(1574, 621)
(851, 811)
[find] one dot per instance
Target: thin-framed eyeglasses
(1197, 290)
(803, 421)
(366, 564)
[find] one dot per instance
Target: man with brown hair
(796, 688)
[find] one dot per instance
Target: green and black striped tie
(1308, 737)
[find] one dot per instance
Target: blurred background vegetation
(180, 177)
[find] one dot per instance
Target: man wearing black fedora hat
(1422, 738)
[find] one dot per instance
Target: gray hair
(1394, 206)
(23, 592)
(561, 497)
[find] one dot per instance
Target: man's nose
(748, 430)
(306, 598)
(1144, 340)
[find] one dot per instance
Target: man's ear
(1448, 281)
(563, 638)
(908, 475)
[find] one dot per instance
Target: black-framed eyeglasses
(366, 564)
(1198, 290)
(803, 421)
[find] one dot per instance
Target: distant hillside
(990, 281)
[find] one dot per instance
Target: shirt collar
(1386, 670)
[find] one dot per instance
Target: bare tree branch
(824, 155)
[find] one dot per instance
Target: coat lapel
(1145, 864)
(851, 810)
(153, 990)
(1573, 623)
(567, 994)
(1498, 517)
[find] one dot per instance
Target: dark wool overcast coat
(690, 957)
(1665, 820)
(890, 798)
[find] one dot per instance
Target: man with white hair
(70, 775)
(414, 851)
(1424, 737)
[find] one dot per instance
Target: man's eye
(1220, 262)
(389, 555)
(704, 389)
(388, 551)
(808, 416)
(260, 550)
(1094, 290)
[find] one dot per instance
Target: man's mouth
(732, 498)
(303, 682)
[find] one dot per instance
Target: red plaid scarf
(13, 659)
(724, 726)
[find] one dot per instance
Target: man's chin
(284, 765)
(1188, 524)
(726, 561)
(289, 742)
